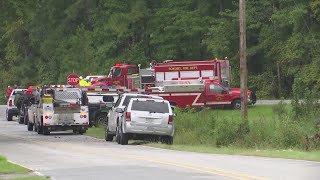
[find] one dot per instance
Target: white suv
(114, 117)
(12, 110)
(146, 119)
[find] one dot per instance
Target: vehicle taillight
(46, 117)
(84, 116)
(128, 116)
(10, 102)
(170, 119)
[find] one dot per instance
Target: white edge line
(35, 172)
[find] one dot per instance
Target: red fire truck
(185, 84)
(132, 76)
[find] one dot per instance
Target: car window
(215, 88)
(150, 106)
(133, 70)
(127, 100)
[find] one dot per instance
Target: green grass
(271, 131)
(9, 168)
(31, 178)
(96, 132)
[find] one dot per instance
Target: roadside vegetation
(15, 172)
(7, 167)
(283, 130)
(90, 36)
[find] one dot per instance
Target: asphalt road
(67, 156)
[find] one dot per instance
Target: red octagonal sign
(73, 79)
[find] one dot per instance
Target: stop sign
(73, 79)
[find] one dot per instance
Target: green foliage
(42, 41)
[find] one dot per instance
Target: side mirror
(174, 114)
(119, 110)
(108, 99)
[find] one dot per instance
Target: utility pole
(243, 60)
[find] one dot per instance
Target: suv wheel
(123, 137)
(108, 137)
(167, 140)
(117, 135)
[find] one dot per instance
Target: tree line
(42, 41)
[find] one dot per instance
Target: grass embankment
(270, 131)
(9, 168)
(16, 172)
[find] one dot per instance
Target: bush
(226, 131)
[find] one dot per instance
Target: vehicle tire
(21, 119)
(9, 116)
(236, 104)
(108, 137)
(169, 140)
(30, 126)
(39, 129)
(118, 135)
(123, 137)
(25, 118)
(45, 131)
(81, 131)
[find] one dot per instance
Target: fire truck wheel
(236, 104)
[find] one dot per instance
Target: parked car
(146, 119)
(114, 117)
(12, 110)
(99, 107)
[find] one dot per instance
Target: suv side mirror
(119, 110)
(174, 114)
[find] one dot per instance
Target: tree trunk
(279, 79)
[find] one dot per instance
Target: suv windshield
(150, 106)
